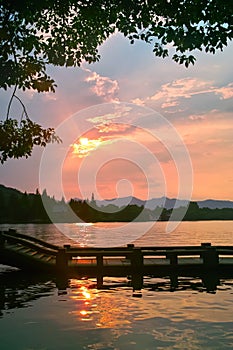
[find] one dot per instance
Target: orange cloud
(114, 128)
(84, 146)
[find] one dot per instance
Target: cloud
(138, 101)
(114, 129)
(169, 104)
(197, 117)
(46, 96)
(172, 94)
(102, 86)
(225, 92)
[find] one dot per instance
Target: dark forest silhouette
(18, 207)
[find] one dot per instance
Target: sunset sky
(132, 124)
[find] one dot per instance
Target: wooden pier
(31, 254)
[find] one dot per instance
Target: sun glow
(84, 141)
(83, 312)
(84, 146)
(86, 294)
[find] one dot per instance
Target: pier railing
(115, 261)
(14, 237)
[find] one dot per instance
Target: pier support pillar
(210, 257)
(172, 256)
(174, 282)
(100, 277)
(61, 260)
(2, 240)
(137, 269)
(210, 281)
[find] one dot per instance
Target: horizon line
(130, 196)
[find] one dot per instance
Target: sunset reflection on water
(123, 311)
(86, 318)
(75, 315)
(97, 306)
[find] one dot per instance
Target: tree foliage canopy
(66, 32)
(34, 34)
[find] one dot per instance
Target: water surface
(37, 313)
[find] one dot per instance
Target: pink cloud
(170, 94)
(225, 92)
(138, 101)
(114, 129)
(168, 104)
(102, 86)
(198, 117)
(181, 88)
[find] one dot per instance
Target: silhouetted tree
(35, 34)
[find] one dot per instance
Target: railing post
(137, 268)
(206, 244)
(2, 240)
(100, 264)
(12, 231)
(130, 245)
(172, 256)
(210, 257)
(61, 260)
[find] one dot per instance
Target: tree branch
(10, 102)
(24, 108)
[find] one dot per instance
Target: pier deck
(31, 254)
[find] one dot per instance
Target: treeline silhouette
(18, 207)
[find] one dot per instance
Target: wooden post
(172, 256)
(174, 282)
(67, 247)
(2, 240)
(62, 267)
(210, 257)
(61, 260)
(210, 281)
(130, 245)
(11, 231)
(100, 264)
(137, 268)
(206, 244)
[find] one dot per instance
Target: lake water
(36, 315)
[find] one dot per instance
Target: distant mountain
(120, 202)
(164, 202)
(151, 204)
(215, 204)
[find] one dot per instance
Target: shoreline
(96, 222)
